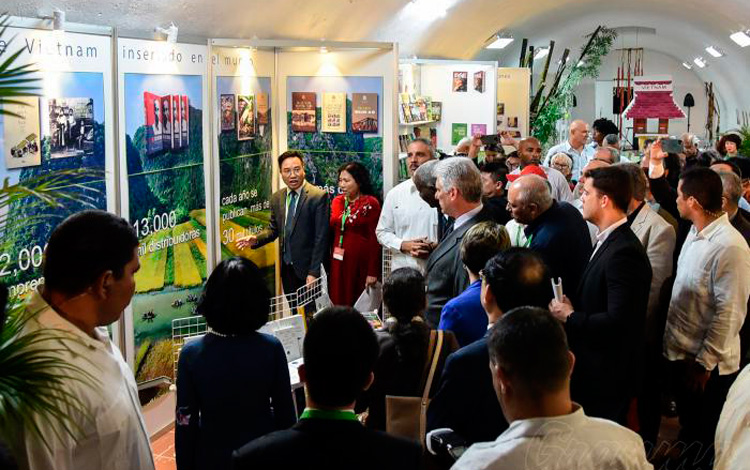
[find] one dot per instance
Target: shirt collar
(466, 216)
(544, 426)
(601, 236)
(714, 226)
(47, 317)
(298, 190)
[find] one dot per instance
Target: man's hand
(561, 310)
(244, 242)
(418, 248)
(310, 279)
(697, 377)
(370, 281)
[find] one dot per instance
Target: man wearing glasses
(299, 218)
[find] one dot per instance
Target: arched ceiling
(683, 27)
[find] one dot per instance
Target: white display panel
(513, 91)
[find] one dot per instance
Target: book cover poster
(458, 132)
(365, 112)
(501, 109)
(166, 114)
(263, 110)
(153, 123)
(71, 127)
(460, 81)
(21, 134)
(303, 111)
(177, 121)
(480, 129)
(479, 81)
(436, 110)
(227, 112)
(245, 117)
(333, 116)
(185, 110)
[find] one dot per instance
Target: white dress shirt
(405, 216)
(580, 159)
(115, 436)
(732, 441)
(560, 188)
(603, 235)
(573, 441)
(466, 216)
(709, 298)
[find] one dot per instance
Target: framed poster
(245, 117)
(458, 132)
(479, 81)
(303, 112)
(21, 134)
(365, 112)
(333, 114)
(460, 81)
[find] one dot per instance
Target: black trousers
(699, 414)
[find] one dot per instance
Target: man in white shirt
(531, 367)
(708, 306)
(576, 147)
(408, 225)
(89, 268)
(530, 153)
(732, 442)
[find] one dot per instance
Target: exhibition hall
(404, 234)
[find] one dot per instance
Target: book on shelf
(436, 110)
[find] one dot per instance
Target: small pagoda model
(653, 100)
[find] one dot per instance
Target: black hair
(705, 158)
(497, 169)
(615, 183)
(531, 347)
(735, 169)
(672, 165)
(340, 350)
(360, 175)
(705, 186)
(83, 247)
(721, 145)
(605, 127)
(744, 165)
(235, 300)
(292, 154)
(517, 277)
(404, 296)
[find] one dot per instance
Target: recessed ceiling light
(700, 62)
(741, 38)
(687, 66)
(541, 53)
(499, 43)
(714, 51)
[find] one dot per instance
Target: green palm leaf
(15, 80)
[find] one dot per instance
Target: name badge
(338, 253)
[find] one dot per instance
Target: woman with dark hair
(232, 383)
(355, 260)
(729, 145)
(400, 370)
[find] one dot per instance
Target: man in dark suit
(465, 401)
(554, 229)
(304, 236)
(459, 193)
(606, 326)
(494, 179)
(340, 351)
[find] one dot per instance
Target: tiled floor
(163, 449)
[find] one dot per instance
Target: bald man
(530, 153)
(576, 147)
(555, 230)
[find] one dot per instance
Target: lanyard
(326, 414)
(347, 211)
(518, 238)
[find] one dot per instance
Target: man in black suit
(340, 350)
(465, 401)
(606, 326)
(459, 193)
(494, 179)
(303, 237)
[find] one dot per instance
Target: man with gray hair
(459, 194)
(576, 146)
(424, 180)
(607, 154)
(408, 225)
(730, 197)
(690, 145)
(556, 230)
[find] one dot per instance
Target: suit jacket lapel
(612, 236)
(282, 210)
(300, 201)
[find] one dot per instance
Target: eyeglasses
(560, 165)
(288, 171)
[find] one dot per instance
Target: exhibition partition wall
(164, 153)
(513, 100)
(67, 130)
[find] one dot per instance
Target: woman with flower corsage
(355, 258)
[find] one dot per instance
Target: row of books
(418, 108)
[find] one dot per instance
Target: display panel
(63, 131)
(324, 151)
(162, 144)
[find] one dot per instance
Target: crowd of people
(543, 313)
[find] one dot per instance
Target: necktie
(288, 226)
(448, 227)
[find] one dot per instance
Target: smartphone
(672, 146)
(492, 139)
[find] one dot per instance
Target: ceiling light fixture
(741, 38)
(700, 62)
(541, 53)
(687, 66)
(714, 52)
(58, 20)
(323, 50)
(499, 42)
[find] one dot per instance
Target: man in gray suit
(459, 193)
(304, 236)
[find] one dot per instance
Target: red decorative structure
(653, 100)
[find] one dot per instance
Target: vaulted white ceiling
(454, 29)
